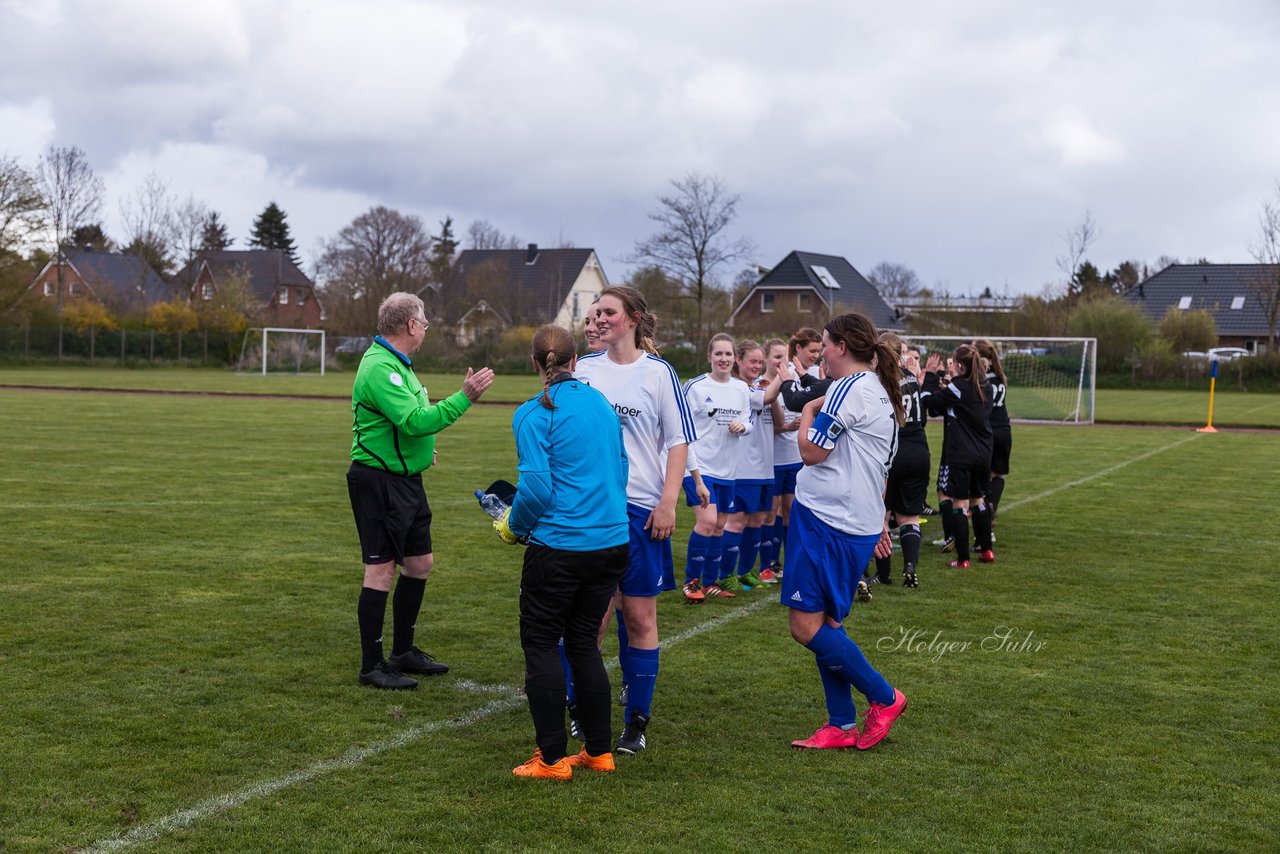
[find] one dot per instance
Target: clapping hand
(476, 383)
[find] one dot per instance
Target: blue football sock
(695, 564)
(732, 545)
(837, 651)
(841, 711)
(767, 549)
(570, 696)
(715, 554)
(748, 550)
(640, 688)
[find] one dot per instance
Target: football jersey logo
(396, 379)
(835, 429)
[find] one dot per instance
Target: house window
(766, 302)
(206, 291)
(804, 301)
(284, 295)
(302, 297)
(1237, 303)
(48, 289)
(576, 315)
(1184, 303)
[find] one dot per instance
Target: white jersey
(755, 449)
(714, 405)
(786, 448)
(856, 423)
(646, 396)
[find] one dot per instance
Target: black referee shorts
(392, 514)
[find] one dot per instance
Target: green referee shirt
(393, 420)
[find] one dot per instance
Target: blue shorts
(721, 493)
(649, 560)
(823, 565)
(784, 478)
(752, 496)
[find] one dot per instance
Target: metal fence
(121, 346)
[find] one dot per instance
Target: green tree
(1121, 330)
(21, 206)
(91, 236)
(231, 305)
(271, 231)
(175, 316)
(1188, 330)
(214, 238)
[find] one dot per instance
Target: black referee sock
(948, 526)
(404, 612)
(960, 530)
(370, 613)
(909, 536)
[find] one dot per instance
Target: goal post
(276, 349)
(1049, 379)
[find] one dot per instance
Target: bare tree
(72, 194)
(148, 223)
(894, 281)
(380, 252)
(21, 207)
(186, 228)
(1266, 250)
(1077, 240)
(483, 234)
(691, 244)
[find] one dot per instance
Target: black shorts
(392, 514)
(908, 481)
(967, 483)
(1002, 444)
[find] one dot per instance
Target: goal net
(1050, 379)
(275, 350)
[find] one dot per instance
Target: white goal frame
(266, 330)
(1086, 394)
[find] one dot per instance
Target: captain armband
(825, 431)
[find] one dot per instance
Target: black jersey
(797, 393)
(967, 439)
(912, 429)
(999, 414)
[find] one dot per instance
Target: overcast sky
(961, 139)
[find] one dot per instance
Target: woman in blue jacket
(570, 509)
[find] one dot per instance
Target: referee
(395, 426)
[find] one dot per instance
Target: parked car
(1228, 354)
(1197, 355)
(353, 344)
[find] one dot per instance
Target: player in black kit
(1001, 431)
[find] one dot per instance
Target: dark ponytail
(970, 361)
(858, 334)
(633, 303)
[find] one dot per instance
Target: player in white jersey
(803, 351)
(786, 463)
(753, 487)
(721, 407)
(656, 430)
(847, 441)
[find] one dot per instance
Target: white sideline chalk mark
(1096, 475)
(358, 755)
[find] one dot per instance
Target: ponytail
(553, 349)
(970, 360)
(858, 334)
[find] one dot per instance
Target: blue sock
(715, 553)
(624, 648)
(732, 545)
(640, 688)
(767, 547)
(695, 564)
(779, 539)
(841, 711)
(570, 696)
(837, 651)
(748, 550)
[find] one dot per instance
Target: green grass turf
(1230, 408)
(179, 578)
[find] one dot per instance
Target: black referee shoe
(383, 675)
(415, 660)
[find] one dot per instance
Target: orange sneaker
(535, 767)
(717, 590)
(693, 591)
(828, 737)
(767, 576)
(879, 718)
(602, 763)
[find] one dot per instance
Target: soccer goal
(1050, 379)
(276, 350)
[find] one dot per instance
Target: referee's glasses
(423, 322)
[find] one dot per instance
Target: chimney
(532, 254)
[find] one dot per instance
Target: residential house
(493, 289)
(1228, 292)
(285, 296)
(123, 284)
(807, 289)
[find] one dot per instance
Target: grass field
(1231, 408)
(177, 662)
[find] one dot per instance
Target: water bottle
(491, 504)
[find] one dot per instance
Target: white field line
(356, 756)
(1103, 473)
